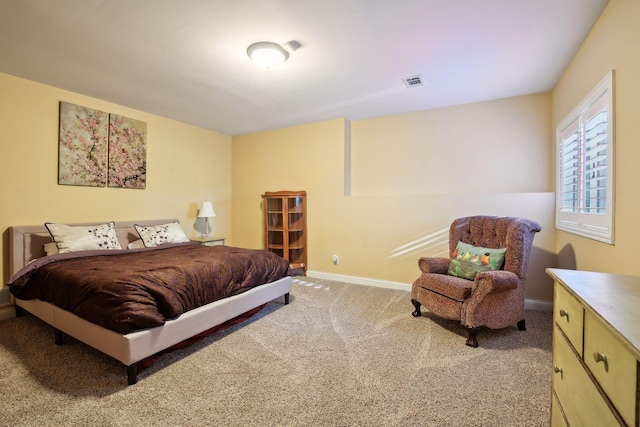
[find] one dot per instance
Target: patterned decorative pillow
(469, 260)
(71, 238)
(156, 235)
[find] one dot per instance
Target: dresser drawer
(612, 364)
(569, 315)
(580, 400)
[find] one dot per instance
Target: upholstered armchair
(494, 298)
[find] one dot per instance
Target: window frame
(580, 219)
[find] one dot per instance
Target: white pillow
(156, 235)
(71, 238)
(136, 244)
(51, 248)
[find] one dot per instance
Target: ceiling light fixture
(269, 55)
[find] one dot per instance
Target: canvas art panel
(127, 152)
(82, 158)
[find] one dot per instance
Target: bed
(27, 243)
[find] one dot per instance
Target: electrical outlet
(335, 259)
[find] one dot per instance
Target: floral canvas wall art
(82, 146)
(127, 152)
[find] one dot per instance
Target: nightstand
(209, 241)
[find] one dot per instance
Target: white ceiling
(186, 59)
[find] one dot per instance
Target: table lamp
(206, 212)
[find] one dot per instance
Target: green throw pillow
(469, 260)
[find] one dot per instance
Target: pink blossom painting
(82, 157)
(127, 152)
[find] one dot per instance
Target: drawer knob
(599, 357)
(558, 371)
(564, 314)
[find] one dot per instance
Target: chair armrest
(488, 288)
(495, 281)
(438, 265)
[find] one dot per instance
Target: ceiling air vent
(413, 81)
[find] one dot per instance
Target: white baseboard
(7, 312)
(359, 280)
(538, 304)
(530, 304)
(5, 296)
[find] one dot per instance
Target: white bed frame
(27, 243)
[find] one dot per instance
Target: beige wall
(490, 147)
(307, 157)
(185, 165)
(411, 174)
(612, 44)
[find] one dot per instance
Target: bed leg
(59, 337)
(19, 311)
(286, 298)
(132, 374)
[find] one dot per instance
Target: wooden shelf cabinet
(596, 349)
(285, 226)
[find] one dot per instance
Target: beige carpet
(338, 355)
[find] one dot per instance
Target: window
(585, 166)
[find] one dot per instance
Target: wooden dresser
(596, 349)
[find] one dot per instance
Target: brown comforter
(135, 289)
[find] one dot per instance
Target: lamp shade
(206, 210)
(267, 54)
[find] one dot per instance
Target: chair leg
(471, 339)
(416, 304)
(522, 326)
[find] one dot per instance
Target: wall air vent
(413, 81)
